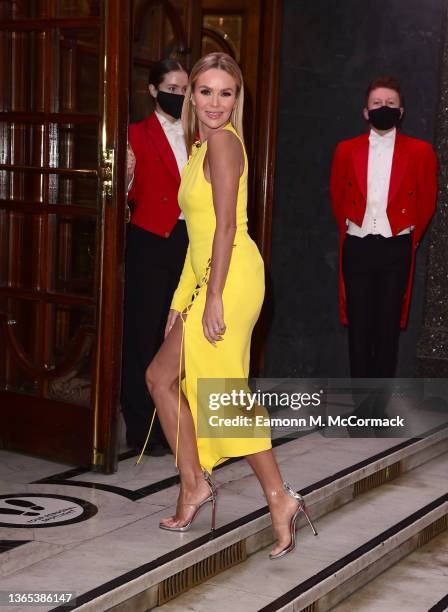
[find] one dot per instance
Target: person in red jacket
(383, 191)
(156, 245)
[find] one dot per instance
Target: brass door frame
(117, 28)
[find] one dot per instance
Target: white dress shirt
(175, 136)
(381, 151)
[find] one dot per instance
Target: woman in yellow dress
(215, 306)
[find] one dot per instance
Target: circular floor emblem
(43, 510)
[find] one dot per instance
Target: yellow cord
(147, 438)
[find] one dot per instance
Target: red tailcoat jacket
(411, 199)
(156, 178)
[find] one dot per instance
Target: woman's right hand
(130, 162)
(172, 316)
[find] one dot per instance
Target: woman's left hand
(213, 319)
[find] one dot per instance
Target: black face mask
(170, 103)
(385, 117)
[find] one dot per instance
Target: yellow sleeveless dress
(243, 296)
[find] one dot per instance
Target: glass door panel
(77, 8)
(74, 262)
(22, 9)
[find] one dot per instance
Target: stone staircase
(369, 515)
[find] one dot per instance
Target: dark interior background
(331, 51)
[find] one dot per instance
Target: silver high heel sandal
(211, 498)
(292, 523)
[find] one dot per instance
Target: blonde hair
(222, 61)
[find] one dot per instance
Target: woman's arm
(183, 293)
(186, 285)
(224, 164)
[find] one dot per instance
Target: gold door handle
(107, 172)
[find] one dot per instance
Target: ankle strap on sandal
(209, 481)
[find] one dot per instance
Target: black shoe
(157, 449)
(133, 444)
(153, 449)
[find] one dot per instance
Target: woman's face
(174, 82)
(214, 97)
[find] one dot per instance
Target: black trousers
(153, 267)
(376, 271)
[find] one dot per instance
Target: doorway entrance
(67, 80)
(64, 108)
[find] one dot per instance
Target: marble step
(356, 543)
(150, 584)
(400, 586)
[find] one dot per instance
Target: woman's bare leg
(162, 379)
(281, 505)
